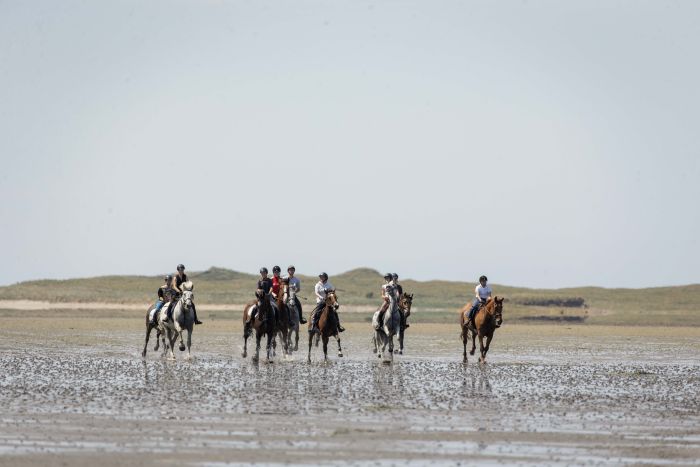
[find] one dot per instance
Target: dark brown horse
(327, 325)
(488, 318)
(264, 325)
(405, 303)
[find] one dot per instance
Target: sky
(542, 143)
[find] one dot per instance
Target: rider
(265, 286)
(295, 285)
(180, 278)
(399, 290)
(386, 289)
(163, 296)
(482, 293)
(323, 286)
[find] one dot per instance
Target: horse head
(406, 301)
(498, 311)
(332, 300)
(187, 299)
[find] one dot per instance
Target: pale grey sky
(543, 143)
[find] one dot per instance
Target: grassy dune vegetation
(435, 301)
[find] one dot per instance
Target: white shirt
(320, 290)
(482, 292)
(295, 284)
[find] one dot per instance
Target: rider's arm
(316, 290)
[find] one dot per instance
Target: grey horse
(384, 332)
(293, 320)
(183, 320)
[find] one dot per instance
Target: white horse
(183, 320)
(385, 331)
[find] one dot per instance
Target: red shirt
(276, 285)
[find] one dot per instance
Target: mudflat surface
(75, 391)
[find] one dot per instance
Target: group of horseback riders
(271, 288)
(170, 293)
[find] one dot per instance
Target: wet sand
(75, 391)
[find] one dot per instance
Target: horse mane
(188, 286)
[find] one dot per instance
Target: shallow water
(559, 399)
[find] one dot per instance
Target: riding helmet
(180, 267)
(263, 270)
(483, 278)
(394, 276)
(388, 276)
(168, 278)
(323, 275)
(291, 268)
(276, 269)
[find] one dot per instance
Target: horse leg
(471, 352)
(340, 350)
(270, 344)
(311, 342)
(391, 347)
(465, 339)
(148, 334)
(159, 335)
(189, 343)
(401, 340)
(481, 348)
(488, 342)
(172, 337)
(182, 342)
(257, 346)
(296, 339)
(325, 347)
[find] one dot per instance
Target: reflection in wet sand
(534, 404)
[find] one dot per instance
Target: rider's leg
(315, 315)
(169, 313)
(194, 309)
(301, 314)
(159, 305)
(472, 310)
(337, 321)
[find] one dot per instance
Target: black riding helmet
(483, 278)
(180, 267)
(388, 276)
(168, 278)
(394, 276)
(263, 270)
(276, 269)
(323, 275)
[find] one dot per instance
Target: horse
(488, 318)
(160, 330)
(293, 318)
(327, 325)
(183, 320)
(385, 331)
(405, 311)
(283, 322)
(263, 325)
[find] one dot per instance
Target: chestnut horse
(327, 325)
(488, 318)
(405, 310)
(284, 321)
(262, 328)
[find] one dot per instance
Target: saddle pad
(251, 310)
(150, 315)
(375, 320)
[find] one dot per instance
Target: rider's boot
(314, 325)
(301, 318)
(337, 320)
(406, 325)
(196, 321)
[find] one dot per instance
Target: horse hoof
(471, 352)
(244, 355)
(182, 348)
(400, 352)
(340, 354)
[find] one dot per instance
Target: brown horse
(264, 325)
(327, 326)
(488, 318)
(405, 309)
(283, 324)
